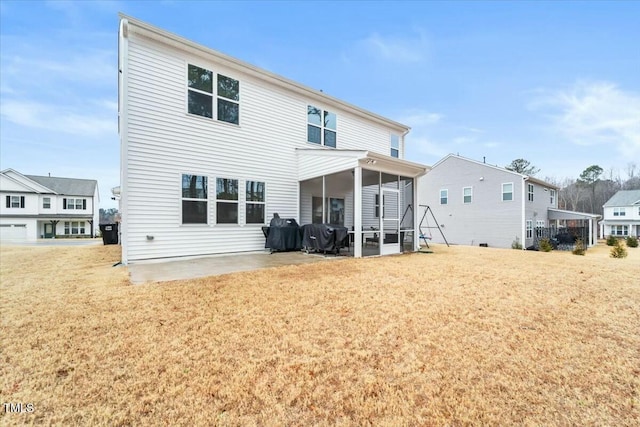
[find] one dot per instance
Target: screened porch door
(390, 232)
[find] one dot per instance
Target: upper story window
(395, 146)
(46, 202)
(321, 126)
(507, 192)
(619, 212)
(200, 95)
(552, 197)
(467, 194)
(15, 202)
(74, 204)
(530, 192)
(194, 199)
(444, 197)
(255, 202)
(227, 201)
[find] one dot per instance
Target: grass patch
(464, 336)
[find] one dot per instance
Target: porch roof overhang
(316, 162)
(561, 214)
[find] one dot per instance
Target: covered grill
(324, 237)
(283, 234)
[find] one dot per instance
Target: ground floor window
(619, 230)
(255, 202)
(539, 227)
(227, 201)
(74, 227)
(529, 229)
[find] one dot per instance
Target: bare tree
(522, 166)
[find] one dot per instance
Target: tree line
(591, 190)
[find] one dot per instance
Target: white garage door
(13, 232)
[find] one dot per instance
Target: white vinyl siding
(161, 142)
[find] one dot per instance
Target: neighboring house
(42, 207)
(622, 214)
(213, 147)
(477, 203)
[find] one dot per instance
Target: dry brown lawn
(464, 336)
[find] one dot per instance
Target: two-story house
(213, 147)
(42, 207)
(478, 203)
(622, 214)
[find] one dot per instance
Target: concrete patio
(191, 268)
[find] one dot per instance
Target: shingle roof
(67, 186)
(624, 198)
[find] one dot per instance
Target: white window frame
(619, 211)
(322, 126)
(194, 199)
(552, 197)
(74, 228)
(236, 202)
(15, 202)
(72, 204)
(507, 192)
(530, 192)
(529, 229)
(446, 197)
(395, 145)
(540, 223)
(251, 202)
(46, 203)
(619, 230)
(213, 95)
(464, 196)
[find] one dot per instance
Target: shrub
(516, 244)
(611, 241)
(618, 251)
(545, 245)
(579, 248)
(632, 242)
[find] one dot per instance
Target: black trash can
(109, 234)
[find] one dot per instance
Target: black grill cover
(324, 237)
(283, 234)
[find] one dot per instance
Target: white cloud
(595, 113)
(398, 49)
(54, 118)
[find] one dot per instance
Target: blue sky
(557, 83)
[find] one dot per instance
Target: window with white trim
(552, 197)
(255, 202)
(619, 212)
(14, 202)
(74, 227)
(200, 95)
(540, 225)
(507, 192)
(76, 204)
(619, 230)
(444, 197)
(321, 127)
(395, 145)
(194, 199)
(530, 192)
(467, 194)
(376, 204)
(226, 201)
(529, 229)
(46, 203)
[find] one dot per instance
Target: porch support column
(590, 232)
(416, 232)
(324, 201)
(357, 212)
